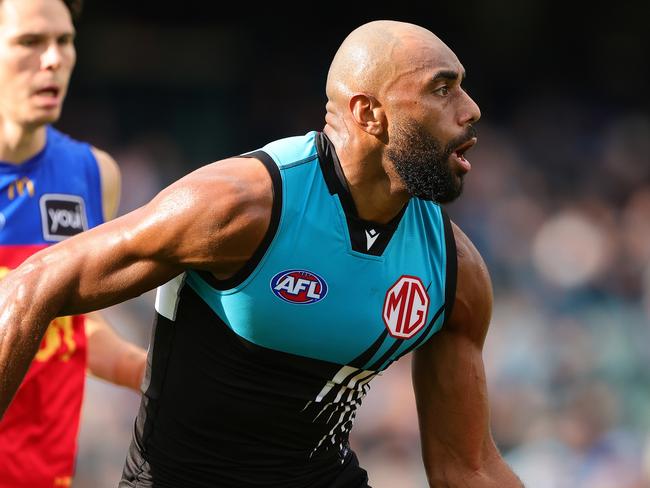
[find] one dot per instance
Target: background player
(51, 187)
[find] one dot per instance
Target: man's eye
(443, 90)
(28, 41)
(65, 40)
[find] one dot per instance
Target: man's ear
(368, 113)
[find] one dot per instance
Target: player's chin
(453, 190)
(45, 117)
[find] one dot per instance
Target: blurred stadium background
(558, 203)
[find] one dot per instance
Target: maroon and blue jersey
(45, 199)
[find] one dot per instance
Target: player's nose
(470, 112)
(51, 57)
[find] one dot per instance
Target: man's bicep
(113, 262)
(208, 220)
(472, 310)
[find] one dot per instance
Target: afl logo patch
(299, 286)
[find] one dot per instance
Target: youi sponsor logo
(62, 216)
(299, 286)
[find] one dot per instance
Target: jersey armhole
(451, 267)
(240, 276)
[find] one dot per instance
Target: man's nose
(51, 57)
(470, 112)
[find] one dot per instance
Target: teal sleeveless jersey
(255, 381)
(313, 294)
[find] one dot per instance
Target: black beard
(423, 163)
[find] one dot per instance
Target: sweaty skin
(215, 218)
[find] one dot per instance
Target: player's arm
(450, 387)
(213, 219)
(111, 183)
(110, 357)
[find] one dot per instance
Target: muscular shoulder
(111, 182)
(222, 212)
(230, 189)
(472, 308)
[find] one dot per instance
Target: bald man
(288, 278)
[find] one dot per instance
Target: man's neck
(19, 143)
(378, 196)
(376, 199)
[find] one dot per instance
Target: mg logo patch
(405, 307)
(299, 286)
(62, 216)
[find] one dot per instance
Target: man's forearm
(112, 358)
(478, 479)
(28, 303)
(130, 369)
(495, 473)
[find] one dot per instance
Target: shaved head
(396, 111)
(377, 54)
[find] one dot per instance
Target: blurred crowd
(559, 205)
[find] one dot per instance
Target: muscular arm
(213, 219)
(110, 357)
(450, 387)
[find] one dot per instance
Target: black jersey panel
(224, 408)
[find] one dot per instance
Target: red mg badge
(406, 307)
